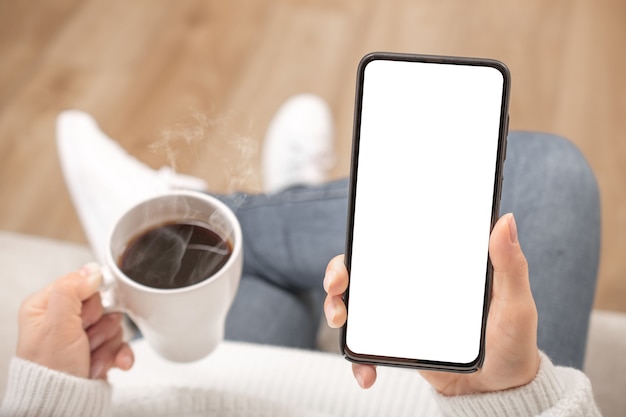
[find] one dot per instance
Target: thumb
(509, 263)
(68, 292)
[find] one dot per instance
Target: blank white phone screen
(423, 208)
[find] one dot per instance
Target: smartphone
(428, 152)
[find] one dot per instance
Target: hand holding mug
(65, 327)
(62, 327)
(512, 356)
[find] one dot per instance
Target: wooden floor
(205, 76)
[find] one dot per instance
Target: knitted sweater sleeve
(555, 392)
(36, 391)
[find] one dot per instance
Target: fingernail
(359, 380)
(513, 229)
(328, 279)
(91, 271)
(96, 370)
(330, 312)
(126, 362)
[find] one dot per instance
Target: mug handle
(108, 292)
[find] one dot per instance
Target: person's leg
(552, 191)
(268, 314)
(289, 238)
(285, 245)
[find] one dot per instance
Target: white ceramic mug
(181, 324)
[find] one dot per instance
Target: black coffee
(174, 255)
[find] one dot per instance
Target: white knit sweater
(250, 380)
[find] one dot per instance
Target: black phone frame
(415, 363)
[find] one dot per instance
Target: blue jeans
(289, 238)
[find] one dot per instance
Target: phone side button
(506, 134)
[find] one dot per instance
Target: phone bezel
(501, 155)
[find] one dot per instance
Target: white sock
(103, 179)
(298, 145)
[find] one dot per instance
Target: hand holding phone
(428, 153)
(512, 356)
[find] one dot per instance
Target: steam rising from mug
(212, 138)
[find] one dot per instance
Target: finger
(103, 358)
(104, 329)
(39, 300)
(92, 310)
(365, 375)
(335, 311)
(67, 293)
(336, 276)
(509, 263)
(124, 358)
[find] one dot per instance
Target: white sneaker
(298, 145)
(103, 180)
